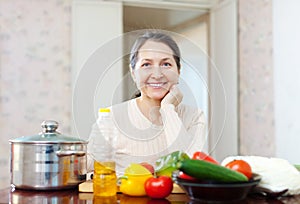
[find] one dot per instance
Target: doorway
(193, 25)
(105, 20)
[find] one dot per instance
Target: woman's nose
(157, 72)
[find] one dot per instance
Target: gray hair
(157, 37)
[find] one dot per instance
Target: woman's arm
(185, 132)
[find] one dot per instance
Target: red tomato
(185, 176)
(159, 187)
(240, 166)
(205, 157)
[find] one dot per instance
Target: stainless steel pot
(47, 161)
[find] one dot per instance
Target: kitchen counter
(73, 196)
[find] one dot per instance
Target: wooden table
(74, 197)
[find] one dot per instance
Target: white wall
(223, 80)
(286, 38)
(96, 68)
(194, 65)
(193, 77)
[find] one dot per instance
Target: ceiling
(162, 14)
(171, 4)
(140, 17)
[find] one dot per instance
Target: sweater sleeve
(187, 136)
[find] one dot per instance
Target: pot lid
(48, 135)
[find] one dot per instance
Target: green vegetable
(208, 171)
(297, 166)
(165, 165)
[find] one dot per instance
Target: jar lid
(48, 135)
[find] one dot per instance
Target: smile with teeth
(156, 85)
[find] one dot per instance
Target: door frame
(223, 133)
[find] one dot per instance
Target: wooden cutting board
(87, 187)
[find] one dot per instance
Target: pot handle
(70, 153)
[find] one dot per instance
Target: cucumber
(204, 170)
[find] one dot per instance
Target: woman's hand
(173, 97)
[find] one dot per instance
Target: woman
(155, 123)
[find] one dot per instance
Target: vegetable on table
(148, 166)
(297, 166)
(201, 169)
(165, 165)
(185, 176)
(200, 156)
(240, 166)
(159, 187)
(135, 169)
(133, 180)
(203, 156)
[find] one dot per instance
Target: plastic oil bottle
(104, 179)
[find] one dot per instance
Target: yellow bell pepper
(133, 184)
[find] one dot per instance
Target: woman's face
(156, 70)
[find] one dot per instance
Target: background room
(252, 43)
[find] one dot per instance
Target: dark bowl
(211, 191)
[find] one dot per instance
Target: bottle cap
(104, 110)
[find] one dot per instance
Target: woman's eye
(146, 65)
(166, 65)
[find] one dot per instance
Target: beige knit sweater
(138, 140)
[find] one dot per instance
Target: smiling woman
(157, 122)
(155, 68)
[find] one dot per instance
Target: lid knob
(49, 126)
